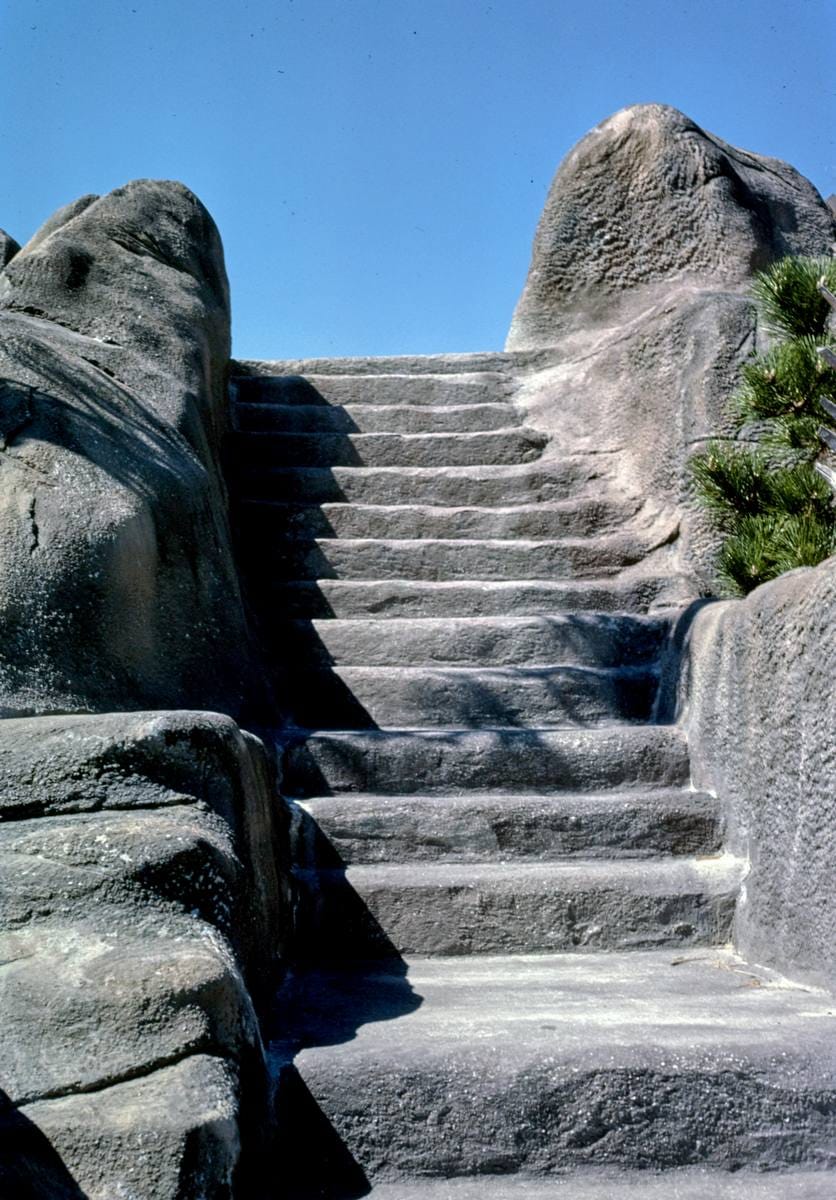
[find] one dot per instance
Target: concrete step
(334, 831)
(551, 1065)
(394, 387)
(509, 446)
(482, 485)
(466, 697)
(684, 1183)
(449, 760)
(400, 598)
(375, 418)
(514, 908)
(572, 639)
(449, 558)
(585, 517)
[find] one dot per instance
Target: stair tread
(550, 1065)
(582, 639)
(496, 673)
(685, 1183)
(607, 1009)
(408, 598)
(584, 800)
(709, 874)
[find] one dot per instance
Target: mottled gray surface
(8, 247)
(647, 201)
(760, 704)
(688, 1184)
(649, 238)
(117, 586)
(545, 1064)
(142, 915)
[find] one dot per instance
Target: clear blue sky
(377, 167)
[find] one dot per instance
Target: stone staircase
(512, 971)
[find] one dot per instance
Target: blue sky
(377, 167)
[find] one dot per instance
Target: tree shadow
(30, 1166)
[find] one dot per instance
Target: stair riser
(594, 640)
(550, 1120)
(455, 389)
(336, 598)
(584, 518)
(469, 487)
(456, 560)
(517, 760)
(330, 831)
(370, 418)
(385, 449)
(340, 919)
(358, 697)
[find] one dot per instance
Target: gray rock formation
(8, 247)
(757, 689)
(637, 286)
(647, 202)
(117, 586)
(141, 917)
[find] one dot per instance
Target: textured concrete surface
(544, 1064)
(688, 1184)
(758, 697)
(572, 639)
(114, 341)
(487, 759)
(500, 908)
(503, 827)
(142, 914)
(647, 200)
(482, 598)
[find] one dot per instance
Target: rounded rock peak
(648, 201)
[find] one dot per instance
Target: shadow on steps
(30, 1166)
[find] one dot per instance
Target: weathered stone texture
(117, 585)
(142, 911)
(648, 201)
(649, 238)
(8, 247)
(757, 690)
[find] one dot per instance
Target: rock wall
(142, 903)
(756, 692)
(117, 586)
(143, 899)
(637, 288)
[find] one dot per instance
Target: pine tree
(762, 490)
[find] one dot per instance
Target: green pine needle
(787, 381)
(764, 495)
(731, 481)
(788, 297)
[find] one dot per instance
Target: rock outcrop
(648, 203)
(142, 901)
(636, 303)
(117, 586)
(142, 905)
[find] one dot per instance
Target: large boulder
(117, 585)
(648, 201)
(635, 312)
(143, 909)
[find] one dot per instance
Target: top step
(478, 387)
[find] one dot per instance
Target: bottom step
(551, 1064)
(629, 1185)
